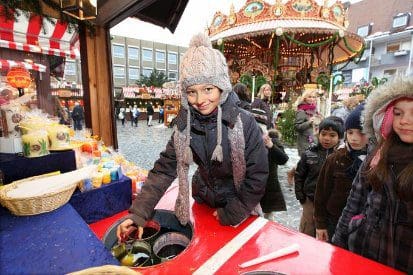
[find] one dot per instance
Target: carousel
(289, 43)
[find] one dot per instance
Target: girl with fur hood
(215, 133)
(377, 221)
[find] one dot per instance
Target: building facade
(387, 27)
(132, 58)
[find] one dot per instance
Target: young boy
(329, 134)
(336, 177)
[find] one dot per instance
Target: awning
(7, 64)
(27, 33)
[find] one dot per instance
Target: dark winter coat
(213, 181)
(377, 225)
(149, 110)
(333, 188)
(244, 105)
(273, 199)
(265, 106)
(307, 171)
(77, 113)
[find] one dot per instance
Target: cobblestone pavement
(143, 144)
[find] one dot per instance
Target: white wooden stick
(271, 256)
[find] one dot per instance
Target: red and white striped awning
(27, 34)
(7, 64)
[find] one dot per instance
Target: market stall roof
(7, 64)
(163, 13)
(33, 33)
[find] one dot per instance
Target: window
(70, 68)
(172, 75)
(147, 72)
(119, 71)
(172, 58)
(160, 57)
(133, 73)
(147, 55)
(389, 72)
(364, 31)
(394, 47)
(133, 53)
(118, 51)
(401, 20)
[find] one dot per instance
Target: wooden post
(97, 83)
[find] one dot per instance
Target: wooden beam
(100, 102)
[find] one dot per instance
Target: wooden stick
(271, 256)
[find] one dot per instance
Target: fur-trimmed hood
(378, 101)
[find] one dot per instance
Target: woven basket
(36, 204)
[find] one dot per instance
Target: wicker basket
(36, 204)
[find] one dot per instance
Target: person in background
(306, 122)
(263, 101)
(121, 115)
(308, 169)
(242, 92)
(77, 116)
(273, 199)
(377, 221)
(221, 138)
(135, 116)
(161, 114)
(336, 176)
(149, 111)
(348, 105)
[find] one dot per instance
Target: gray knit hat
(201, 64)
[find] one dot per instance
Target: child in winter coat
(377, 221)
(336, 176)
(308, 168)
(215, 133)
(273, 199)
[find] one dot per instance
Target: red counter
(220, 249)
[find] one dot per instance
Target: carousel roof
(305, 21)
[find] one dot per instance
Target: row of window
(399, 21)
(133, 73)
(147, 54)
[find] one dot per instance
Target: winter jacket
(307, 171)
(377, 225)
(265, 106)
(77, 113)
(273, 199)
(212, 182)
(304, 129)
(149, 110)
(333, 188)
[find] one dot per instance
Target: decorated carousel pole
(333, 78)
(253, 88)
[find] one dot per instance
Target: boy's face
(203, 98)
(356, 139)
(328, 138)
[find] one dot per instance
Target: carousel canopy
(290, 27)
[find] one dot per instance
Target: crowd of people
(354, 178)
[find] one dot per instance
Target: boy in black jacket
(306, 175)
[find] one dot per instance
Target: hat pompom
(199, 40)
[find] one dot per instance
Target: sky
(197, 16)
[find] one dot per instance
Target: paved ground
(143, 144)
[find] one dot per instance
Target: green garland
(318, 44)
(348, 46)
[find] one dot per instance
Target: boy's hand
(322, 235)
